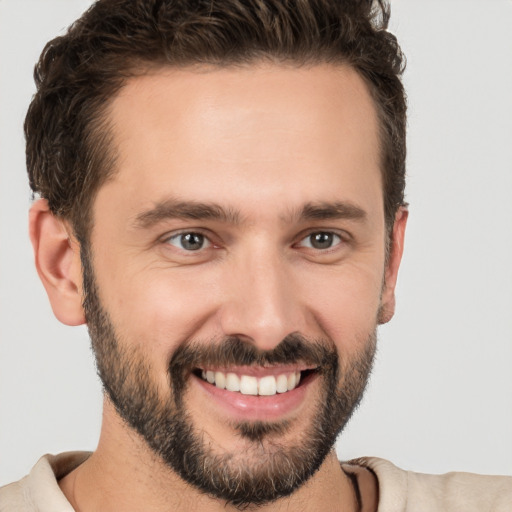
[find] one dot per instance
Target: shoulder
(407, 491)
(39, 491)
(13, 497)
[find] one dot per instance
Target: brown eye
(189, 241)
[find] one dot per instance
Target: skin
(262, 141)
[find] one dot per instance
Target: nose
(262, 305)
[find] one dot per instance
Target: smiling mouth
(268, 385)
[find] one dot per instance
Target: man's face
(242, 240)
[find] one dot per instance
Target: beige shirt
(399, 490)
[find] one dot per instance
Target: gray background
(441, 394)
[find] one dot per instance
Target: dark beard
(269, 469)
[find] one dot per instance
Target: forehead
(245, 134)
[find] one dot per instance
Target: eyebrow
(331, 210)
(194, 210)
(189, 210)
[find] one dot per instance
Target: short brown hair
(69, 150)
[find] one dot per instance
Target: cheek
(346, 308)
(154, 307)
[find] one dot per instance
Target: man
(222, 203)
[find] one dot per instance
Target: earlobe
(387, 308)
(57, 259)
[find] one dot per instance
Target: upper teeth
(249, 385)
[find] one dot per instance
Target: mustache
(234, 351)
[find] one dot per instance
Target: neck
(124, 474)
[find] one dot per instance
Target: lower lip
(251, 407)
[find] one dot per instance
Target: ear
(57, 259)
(387, 307)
